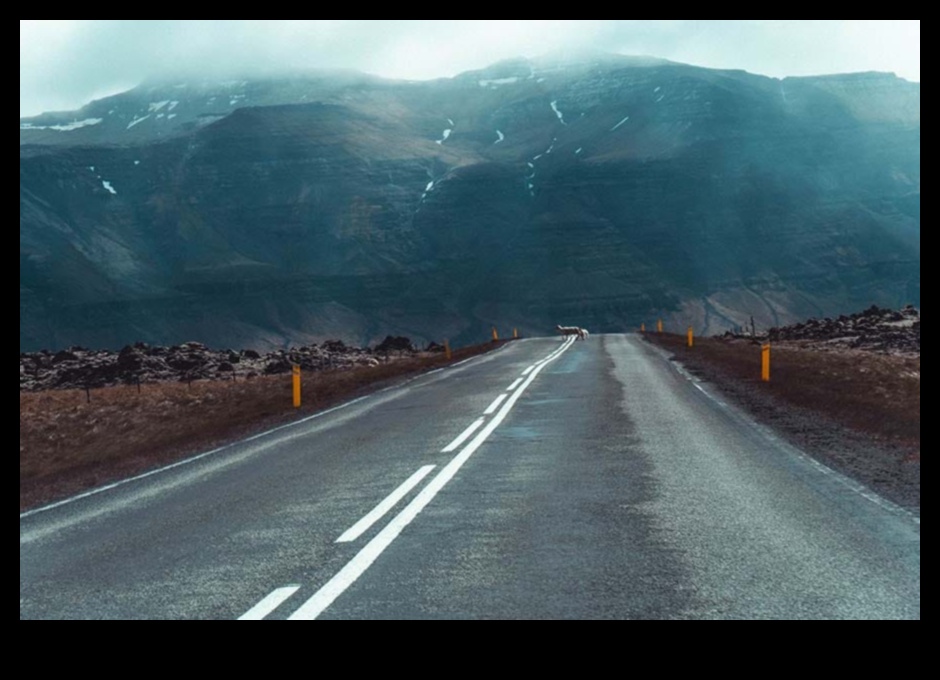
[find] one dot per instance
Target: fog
(64, 64)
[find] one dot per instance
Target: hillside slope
(601, 193)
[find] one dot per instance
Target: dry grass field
(857, 411)
(68, 444)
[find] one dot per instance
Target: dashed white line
(187, 461)
(353, 569)
(462, 437)
(528, 370)
(271, 601)
(495, 405)
(390, 501)
(514, 385)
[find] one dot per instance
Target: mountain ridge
(601, 194)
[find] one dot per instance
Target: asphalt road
(603, 483)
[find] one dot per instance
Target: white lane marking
(495, 405)
(750, 421)
(567, 343)
(462, 436)
(357, 566)
(528, 370)
(271, 601)
(390, 501)
(514, 385)
(121, 482)
(186, 461)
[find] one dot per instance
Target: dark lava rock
(277, 365)
(337, 346)
(397, 343)
(80, 368)
(130, 358)
(874, 329)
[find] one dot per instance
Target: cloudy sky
(64, 64)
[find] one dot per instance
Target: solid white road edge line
(768, 432)
(193, 459)
(187, 461)
(390, 501)
(495, 405)
(270, 602)
(564, 346)
(462, 436)
(357, 566)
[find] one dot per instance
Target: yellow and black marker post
(295, 374)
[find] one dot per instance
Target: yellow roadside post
(689, 333)
(659, 326)
(765, 362)
(295, 372)
(642, 327)
(495, 334)
(447, 349)
(515, 333)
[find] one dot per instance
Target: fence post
(295, 373)
(765, 362)
(447, 349)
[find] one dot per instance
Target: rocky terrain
(875, 329)
(81, 368)
(288, 211)
(879, 330)
(846, 390)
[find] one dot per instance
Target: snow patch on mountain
(496, 82)
(427, 190)
(65, 127)
(136, 121)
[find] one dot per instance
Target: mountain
(599, 193)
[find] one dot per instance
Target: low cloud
(63, 64)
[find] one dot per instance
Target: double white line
(348, 575)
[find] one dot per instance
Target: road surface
(548, 479)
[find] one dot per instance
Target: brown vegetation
(857, 411)
(68, 444)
